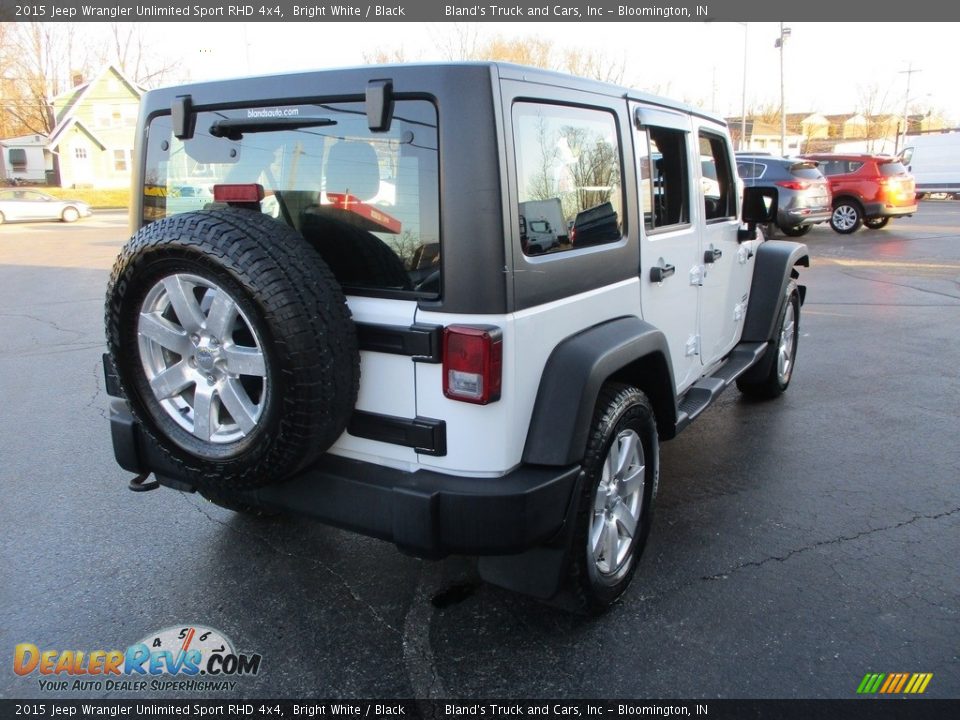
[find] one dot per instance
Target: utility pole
(906, 109)
(743, 95)
(784, 34)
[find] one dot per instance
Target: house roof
(60, 130)
(72, 98)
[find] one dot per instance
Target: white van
(934, 161)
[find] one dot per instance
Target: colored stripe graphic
(870, 683)
(894, 683)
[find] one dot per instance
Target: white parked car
(19, 204)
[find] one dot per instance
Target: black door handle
(659, 274)
(711, 256)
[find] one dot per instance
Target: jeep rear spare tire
(234, 345)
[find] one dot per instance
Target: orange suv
(867, 189)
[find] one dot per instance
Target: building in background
(815, 132)
(91, 144)
(96, 123)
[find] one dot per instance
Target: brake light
(793, 184)
(472, 363)
(248, 193)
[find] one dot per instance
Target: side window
(569, 177)
(664, 184)
(716, 179)
(751, 170)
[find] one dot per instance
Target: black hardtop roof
(406, 76)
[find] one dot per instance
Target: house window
(80, 153)
(18, 158)
(120, 160)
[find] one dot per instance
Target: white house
(25, 158)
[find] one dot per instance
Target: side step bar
(705, 391)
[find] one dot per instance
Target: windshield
(368, 202)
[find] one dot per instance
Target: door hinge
(693, 345)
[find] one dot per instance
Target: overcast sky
(829, 66)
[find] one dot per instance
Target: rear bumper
(792, 217)
(424, 513)
(881, 210)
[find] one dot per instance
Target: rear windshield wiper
(233, 129)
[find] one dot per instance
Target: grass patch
(95, 198)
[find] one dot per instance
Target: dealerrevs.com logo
(182, 658)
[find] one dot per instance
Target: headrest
(352, 168)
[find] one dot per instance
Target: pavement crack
(98, 393)
(313, 560)
(418, 657)
(822, 543)
(896, 284)
(44, 321)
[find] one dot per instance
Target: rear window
(890, 169)
(839, 167)
(751, 170)
(368, 202)
(806, 171)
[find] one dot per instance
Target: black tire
(876, 223)
(847, 216)
(230, 501)
(357, 258)
(775, 383)
(70, 214)
(620, 409)
(796, 230)
(284, 297)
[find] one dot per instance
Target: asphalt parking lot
(797, 544)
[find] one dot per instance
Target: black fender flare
(573, 375)
(773, 268)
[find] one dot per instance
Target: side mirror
(759, 208)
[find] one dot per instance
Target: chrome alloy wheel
(845, 217)
(618, 503)
(203, 359)
(785, 347)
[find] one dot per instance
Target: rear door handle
(711, 256)
(660, 273)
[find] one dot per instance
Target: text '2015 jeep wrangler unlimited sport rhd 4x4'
(346, 324)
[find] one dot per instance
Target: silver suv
(346, 322)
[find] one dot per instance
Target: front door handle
(711, 256)
(660, 273)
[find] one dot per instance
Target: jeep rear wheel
(233, 344)
(847, 217)
(620, 471)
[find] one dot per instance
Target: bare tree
(137, 57)
(594, 64)
(458, 42)
(37, 60)
(383, 56)
(876, 106)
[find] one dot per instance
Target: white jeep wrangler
(346, 324)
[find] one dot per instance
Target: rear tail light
(472, 363)
(793, 184)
